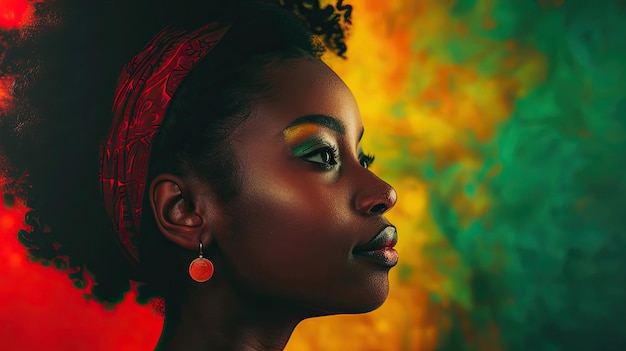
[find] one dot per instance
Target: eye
(326, 157)
(366, 160)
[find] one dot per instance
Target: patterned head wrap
(142, 96)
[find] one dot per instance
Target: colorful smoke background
(502, 125)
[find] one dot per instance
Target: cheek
(293, 233)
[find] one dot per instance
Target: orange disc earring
(201, 269)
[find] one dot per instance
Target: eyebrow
(321, 120)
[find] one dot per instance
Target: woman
(231, 169)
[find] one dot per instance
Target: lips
(380, 249)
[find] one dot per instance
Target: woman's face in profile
(307, 202)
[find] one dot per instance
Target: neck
(216, 319)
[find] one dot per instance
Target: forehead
(302, 87)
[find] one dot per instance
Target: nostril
(379, 208)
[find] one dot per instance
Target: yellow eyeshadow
(297, 134)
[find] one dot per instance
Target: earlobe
(174, 212)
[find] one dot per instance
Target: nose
(375, 197)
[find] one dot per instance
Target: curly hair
(64, 67)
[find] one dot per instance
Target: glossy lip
(387, 238)
(380, 249)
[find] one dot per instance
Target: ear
(178, 216)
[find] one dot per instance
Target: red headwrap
(143, 93)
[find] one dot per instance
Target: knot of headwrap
(143, 93)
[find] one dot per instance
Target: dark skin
(283, 248)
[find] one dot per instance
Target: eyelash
(325, 165)
(368, 159)
(365, 160)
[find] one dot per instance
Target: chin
(358, 301)
(351, 308)
(367, 306)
